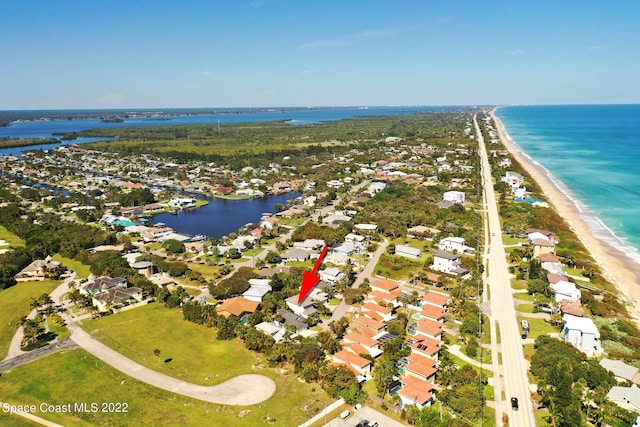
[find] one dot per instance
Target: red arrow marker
(309, 280)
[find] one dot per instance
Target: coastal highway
(513, 370)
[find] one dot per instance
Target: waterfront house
(621, 370)
(581, 332)
(625, 397)
(565, 290)
(542, 246)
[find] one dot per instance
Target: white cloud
(517, 52)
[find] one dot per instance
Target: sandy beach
(616, 266)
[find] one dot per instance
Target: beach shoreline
(616, 266)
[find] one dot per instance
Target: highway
(513, 370)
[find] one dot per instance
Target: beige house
(37, 270)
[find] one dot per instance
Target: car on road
(373, 424)
(514, 403)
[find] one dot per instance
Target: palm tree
(45, 300)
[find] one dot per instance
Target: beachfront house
(581, 332)
(565, 290)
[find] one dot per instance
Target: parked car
(363, 423)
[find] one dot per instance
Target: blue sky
(136, 54)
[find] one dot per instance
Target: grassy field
(7, 420)
(79, 377)
(14, 303)
(538, 327)
(82, 270)
(524, 308)
(193, 349)
(10, 238)
(208, 271)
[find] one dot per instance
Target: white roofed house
(331, 275)
(565, 290)
(308, 305)
(446, 262)
(582, 333)
(454, 197)
(257, 290)
(452, 244)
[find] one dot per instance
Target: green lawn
(10, 238)
(193, 349)
(80, 377)
(509, 240)
(518, 284)
(208, 271)
(82, 270)
(15, 421)
(14, 303)
(538, 327)
(524, 308)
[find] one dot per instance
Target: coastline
(616, 265)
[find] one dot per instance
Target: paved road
(365, 413)
(514, 372)
(27, 356)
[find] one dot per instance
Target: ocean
(593, 154)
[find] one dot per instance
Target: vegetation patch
(80, 377)
(15, 302)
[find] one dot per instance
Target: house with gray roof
(621, 370)
(625, 397)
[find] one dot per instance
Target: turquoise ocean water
(592, 153)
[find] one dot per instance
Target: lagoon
(222, 216)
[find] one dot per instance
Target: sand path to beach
(616, 266)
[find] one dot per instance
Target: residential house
(408, 251)
(425, 346)
(361, 344)
(384, 286)
(565, 290)
(359, 365)
(295, 254)
(107, 292)
(427, 327)
(237, 307)
(437, 300)
(384, 312)
(415, 391)
(331, 275)
(542, 246)
(272, 329)
(621, 370)
(38, 270)
(432, 312)
(420, 367)
(454, 197)
(571, 307)
(625, 397)
(258, 288)
(452, 244)
(310, 244)
(297, 322)
(307, 306)
(446, 262)
(581, 332)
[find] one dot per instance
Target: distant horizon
(284, 107)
